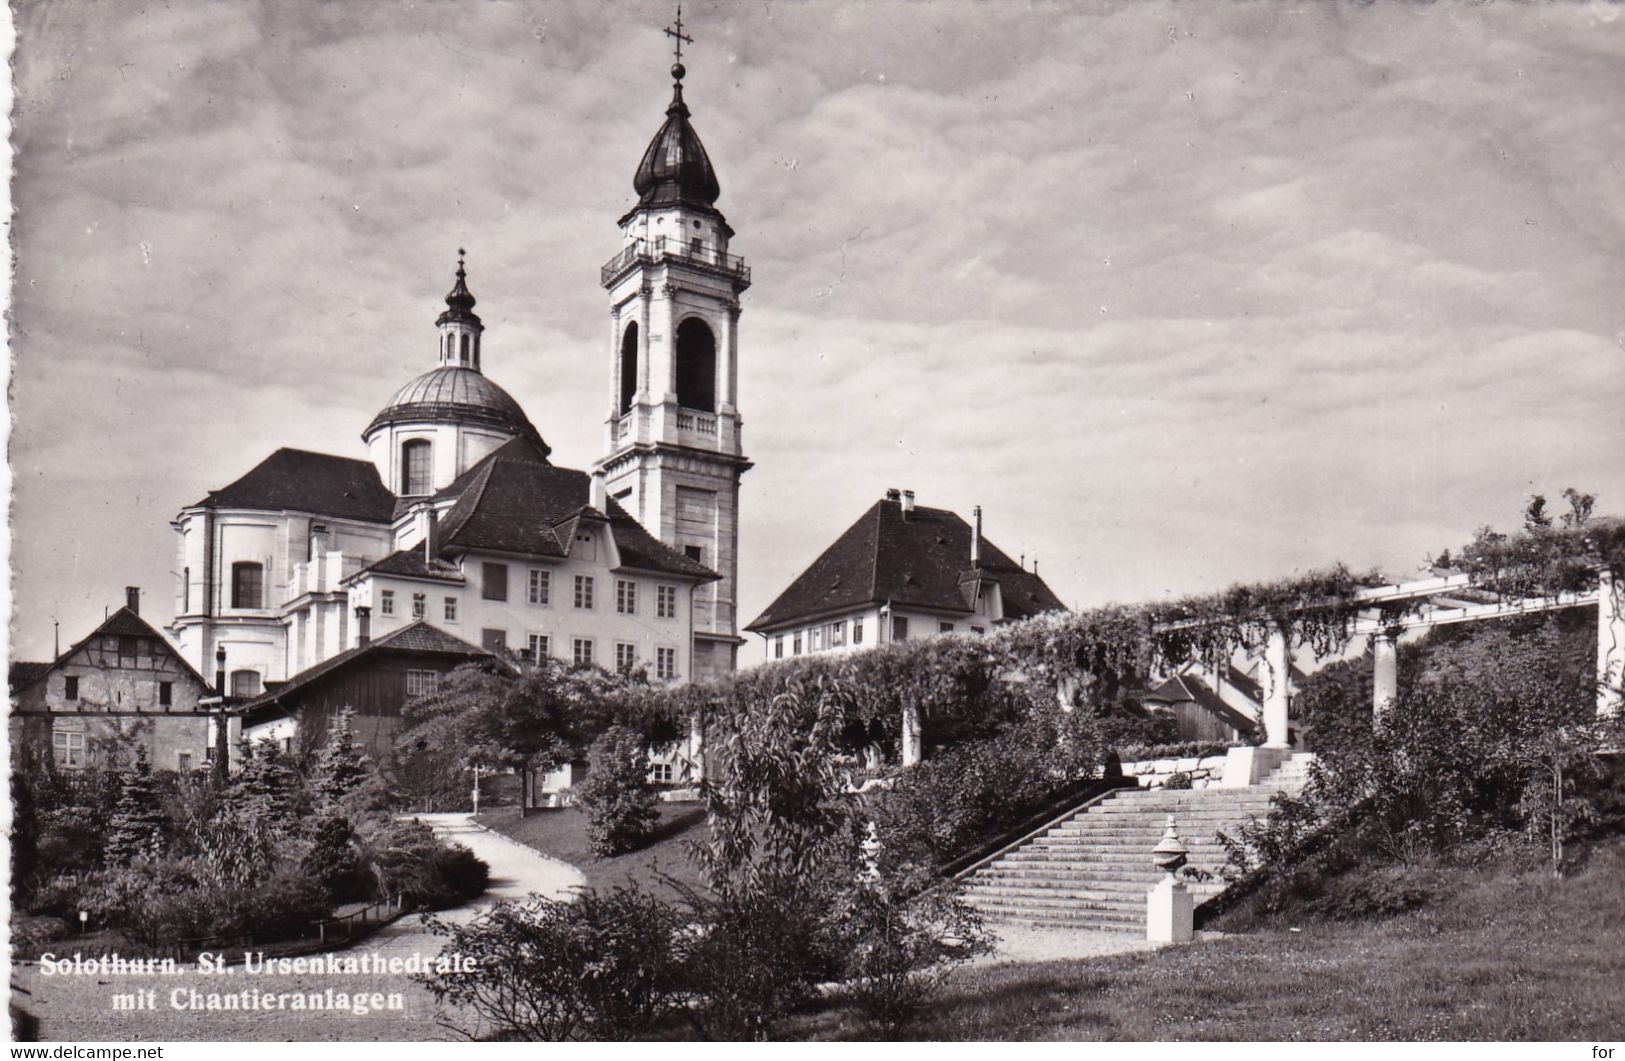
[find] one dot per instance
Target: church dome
(458, 395)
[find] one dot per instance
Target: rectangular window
(665, 602)
(581, 650)
(899, 628)
(420, 605)
(494, 640)
(421, 682)
(626, 657)
(778, 647)
(541, 586)
(857, 631)
(626, 596)
(247, 585)
(128, 647)
(183, 762)
(665, 664)
(977, 630)
(166, 694)
(70, 687)
(584, 591)
(69, 749)
(837, 634)
(539, 648)
(695, 553)
(451, 609)
(815, 639)
(795, 645)
(494, 581)
(945, 628)
(660, 772)
(386, 602)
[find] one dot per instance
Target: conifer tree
(137, 827)
(341, 765)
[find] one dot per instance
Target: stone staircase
(1091, 869)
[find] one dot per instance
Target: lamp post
(476, 792)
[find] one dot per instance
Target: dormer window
(416, 467)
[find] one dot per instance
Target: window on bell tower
(416, 473)
(696, 366)
(629, 367)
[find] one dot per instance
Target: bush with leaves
(617, 795)
(941, 808)
(603, 966)
(1495, 735)
(903, 935)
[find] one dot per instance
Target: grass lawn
(562, 833)
(1505, 954)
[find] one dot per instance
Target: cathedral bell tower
(673, 455)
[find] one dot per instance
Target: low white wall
(1154, 773)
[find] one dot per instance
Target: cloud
(1181, 295)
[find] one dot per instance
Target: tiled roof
(122, 623)
(922, 561)
(419, 637)
(410, 563)
(512, 502)
(309, 482)
(23, 673)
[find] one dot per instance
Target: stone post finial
(1170, 853)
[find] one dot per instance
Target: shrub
(1178, 780)
(945, 805)
(333, 861)
(901, 943)
(408, 860)
(603, 966)
(617, 795)
(1378, 892)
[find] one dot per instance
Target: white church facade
(456, 515)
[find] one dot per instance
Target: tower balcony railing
(691, 252)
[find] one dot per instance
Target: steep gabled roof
(514, 503)
(921, 560)
(1188, 687)
(122, 623)
(309, 482)
(419, 638)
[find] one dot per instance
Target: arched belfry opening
(629, 368)
(696, 366)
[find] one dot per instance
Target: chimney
(426, 524)
(894, 494)
(908, 503)
(598, 498)
(363, 625)
(976, 537)
(220, 671)
(132, 598)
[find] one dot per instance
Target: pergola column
(1384, 671)
(696, 746)
(911, 735)
(1610, 644)
(1274, 675)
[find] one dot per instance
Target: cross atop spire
(679, 38)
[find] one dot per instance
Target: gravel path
(80, 1007)
(1025, 943)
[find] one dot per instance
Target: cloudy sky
(1182, 295)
